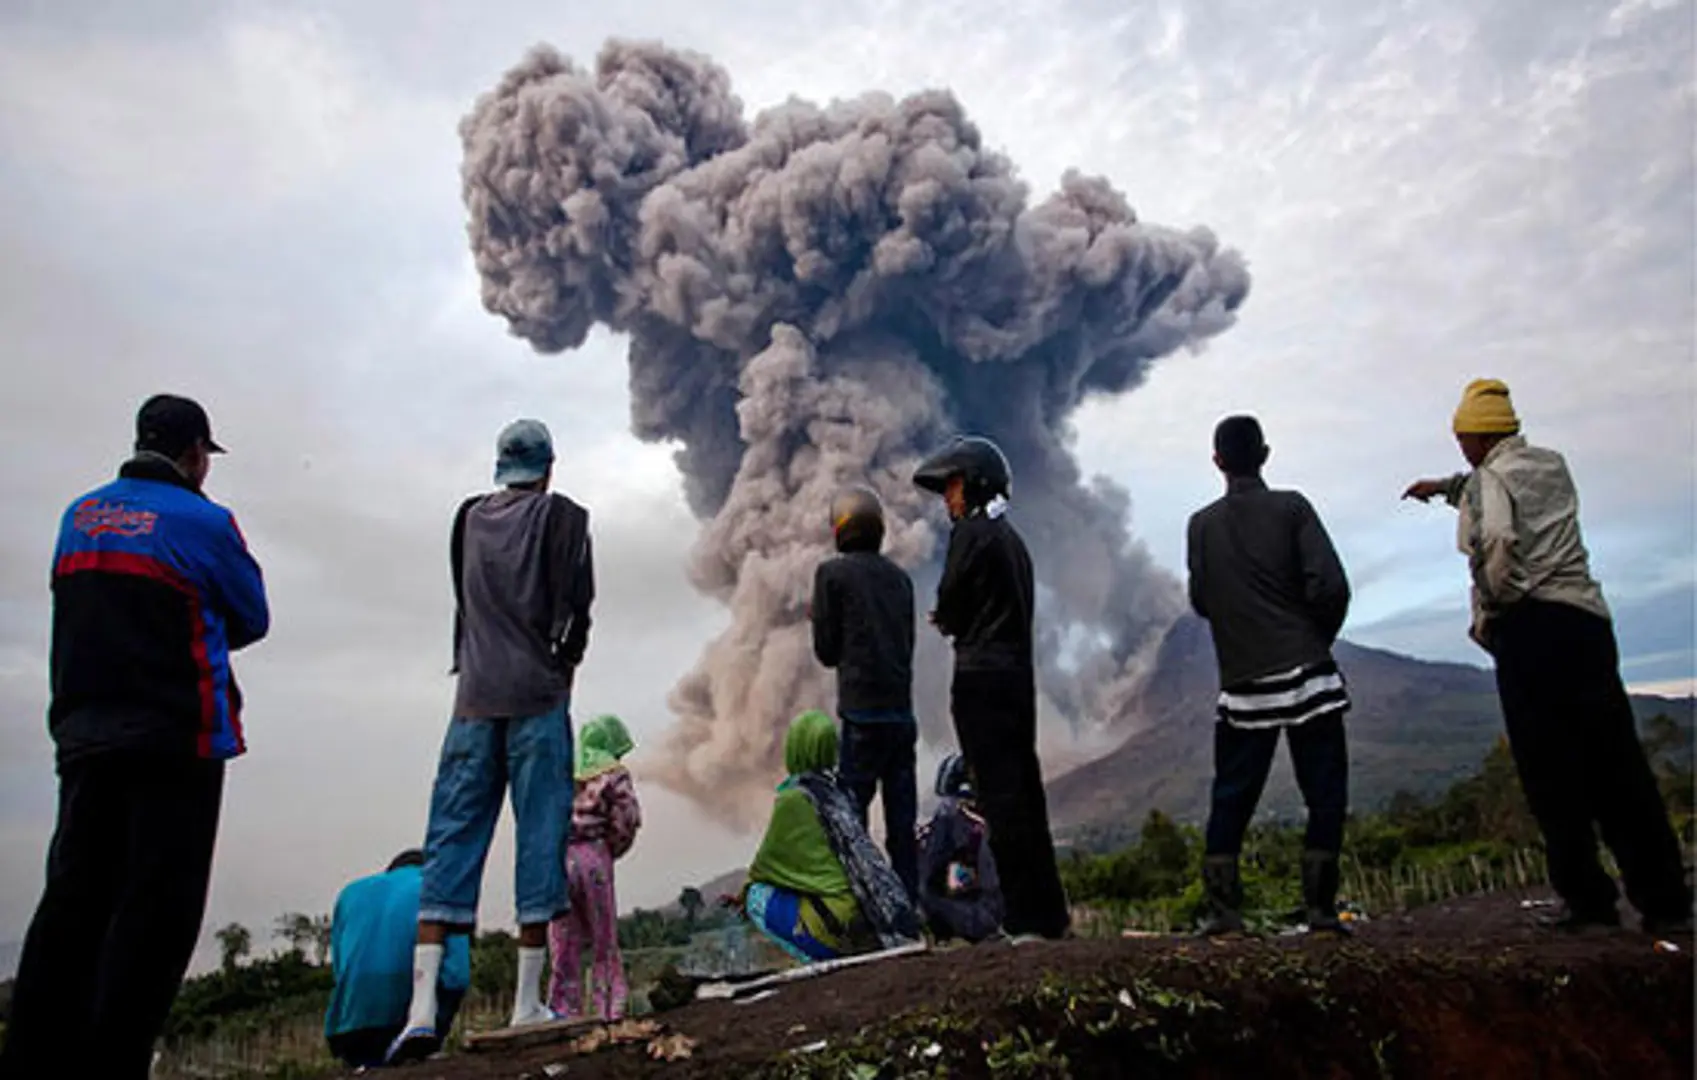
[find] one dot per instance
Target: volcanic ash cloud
(819, 297)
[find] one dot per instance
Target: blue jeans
(480, 760)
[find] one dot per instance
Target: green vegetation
(263, 1017)
(662, 930)
(247, 999)
(1478, 836)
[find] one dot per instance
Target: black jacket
(985, 600)
(1264, 574)
(863, 627)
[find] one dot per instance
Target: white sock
(426, 968)
(527, 1003)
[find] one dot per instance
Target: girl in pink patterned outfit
(605, 818)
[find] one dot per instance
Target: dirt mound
(1465, 989)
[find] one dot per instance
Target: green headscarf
(600, 745)
(795, 853)
(811, 744)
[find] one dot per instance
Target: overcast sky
(258, 204)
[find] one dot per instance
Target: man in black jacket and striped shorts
(1264, 574)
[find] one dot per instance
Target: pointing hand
(1426, 490)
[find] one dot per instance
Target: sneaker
(1025, 939)
(414, 1044)
(542, 1014)
(1327, 927)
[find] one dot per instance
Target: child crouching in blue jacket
(958, 887)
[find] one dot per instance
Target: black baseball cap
(171, 425)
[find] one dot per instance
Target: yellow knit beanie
(1485, 409)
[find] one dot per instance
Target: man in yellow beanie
(1541, 615)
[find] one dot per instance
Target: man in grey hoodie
(523, 586)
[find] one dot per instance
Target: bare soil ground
(1467, 989)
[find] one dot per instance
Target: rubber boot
(1222, 890)
(1320, 892)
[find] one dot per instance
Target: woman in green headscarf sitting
(819, 886)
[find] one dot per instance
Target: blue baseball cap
(523, 453)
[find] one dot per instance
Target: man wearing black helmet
(984, 605)
(862, 614)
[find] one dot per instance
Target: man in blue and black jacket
(153, 589)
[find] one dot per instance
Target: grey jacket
(524, 582)
(1264, 574)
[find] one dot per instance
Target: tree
(652, 930)
(692, 902)
(234, 944)
(298, 930)
(1166, 854)
(1668, 746)
(1489, 805)
(321, 940)
(492, 970)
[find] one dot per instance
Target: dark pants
(126, 888)
(364, 1048)
(879, 754)
(995, 714)
(367, 1047)
(1575, 743)
(1244, 757)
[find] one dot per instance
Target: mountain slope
(727, 884)
(1415, 725)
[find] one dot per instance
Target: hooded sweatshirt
(862, 614)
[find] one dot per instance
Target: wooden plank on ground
(511, 1038)
(721, 991)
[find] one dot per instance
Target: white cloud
(266, 106)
